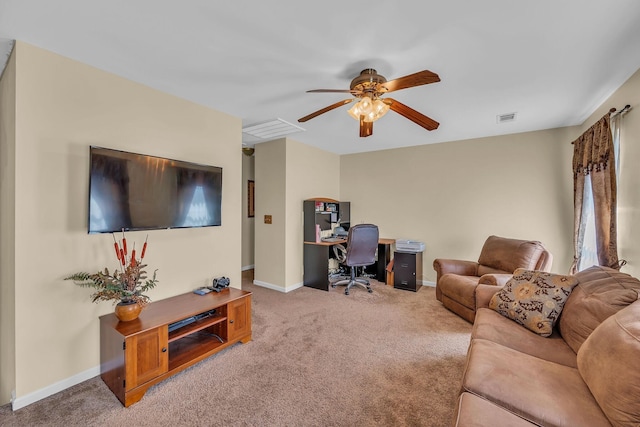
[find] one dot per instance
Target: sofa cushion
(601, 292)
(460, 289)
(466, 313)
(490, 325)
(534, 299)
(537, 390)
(500, 254)
(608, 362)
(483, 270)
(474, 411)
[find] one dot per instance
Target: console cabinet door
(146, 356)
(239, 317)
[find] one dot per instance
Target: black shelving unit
(323, 212)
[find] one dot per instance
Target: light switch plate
(267, 219)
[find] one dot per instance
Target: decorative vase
(128, 310)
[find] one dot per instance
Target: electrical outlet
(268, 219)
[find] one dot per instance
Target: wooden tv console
(136, 355)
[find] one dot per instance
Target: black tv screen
(138, 192)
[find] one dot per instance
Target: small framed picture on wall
(252, 199)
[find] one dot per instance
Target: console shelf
(186, 350)
(138, 354)
(195, 327)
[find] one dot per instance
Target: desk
(316, 262)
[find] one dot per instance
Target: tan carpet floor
(390, 358)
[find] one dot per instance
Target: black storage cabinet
(407, 268)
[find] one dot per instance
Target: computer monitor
(323, 219)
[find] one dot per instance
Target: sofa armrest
(484, 294)
(495, 279)
(464, 268)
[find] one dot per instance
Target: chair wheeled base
(360, 281)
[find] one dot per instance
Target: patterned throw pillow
(534, 299)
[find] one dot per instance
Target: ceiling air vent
(271, 129)
(503, 118)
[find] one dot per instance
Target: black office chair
(362, 243)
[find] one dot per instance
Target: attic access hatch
(272, 129)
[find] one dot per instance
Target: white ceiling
(553, 62)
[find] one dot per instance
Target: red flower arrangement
(127, 283)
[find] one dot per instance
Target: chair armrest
(495, 279)
(340, 252)
(464, 268)
(484, 294)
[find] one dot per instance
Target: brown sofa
(456, 280)
(587, 373)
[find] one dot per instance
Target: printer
(409, 246)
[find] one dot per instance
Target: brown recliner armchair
(457, 280)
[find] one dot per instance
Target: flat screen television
(129, 191)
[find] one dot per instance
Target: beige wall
(310, 173)
(452, 196)
(270, 164)
(62, 107)
(628, 194)
(248, 224)
(287, 172)
(7, 231)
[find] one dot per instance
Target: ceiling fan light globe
(371, 110)
(355, 112)
(366, 103)
(380, 108)
(377, 110)
(361, 108)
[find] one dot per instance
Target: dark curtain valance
(593, 149)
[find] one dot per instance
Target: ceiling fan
(368, 89)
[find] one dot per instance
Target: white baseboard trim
(428, 283)
(276, 287)
(294, 287)
(248, 267)
(21, 402)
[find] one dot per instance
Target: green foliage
(126, 284)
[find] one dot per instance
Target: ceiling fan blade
(416, 79)
(411, 114)
(324, 110)
(333, 91)
(366, 128)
